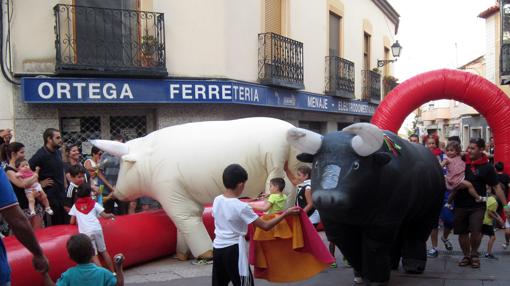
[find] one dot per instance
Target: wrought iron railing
(109, 41)
(371, 86)
(280, 61)
(339, 77)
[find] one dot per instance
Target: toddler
(276, 201)
(80, 250)
(455, 177)
(35, 191)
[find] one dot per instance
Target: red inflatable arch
(465, 87)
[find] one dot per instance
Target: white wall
(219, 38)
(490, 45)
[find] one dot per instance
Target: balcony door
(334, 35)
(273, 16)
(107, 34)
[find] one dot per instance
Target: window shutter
(273, 16)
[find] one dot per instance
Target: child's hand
(37, 169)
(118, 259)
(292, 211)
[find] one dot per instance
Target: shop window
(78, 130)
(130, 127)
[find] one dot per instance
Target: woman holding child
(16, 152)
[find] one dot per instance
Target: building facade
(96, 68)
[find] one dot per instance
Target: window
(334, 34)
(366, 52)
(273, 16)
(476, 133)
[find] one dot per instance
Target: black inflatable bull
(378, 196)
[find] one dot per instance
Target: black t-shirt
(20, 192)
(484, 175)
(51, 167)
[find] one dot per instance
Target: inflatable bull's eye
(355, 165)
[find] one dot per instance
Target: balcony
(105, 41)
(339, 77)
(280, 61)
(371, 86)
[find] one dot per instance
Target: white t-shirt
(231, 220)
(88, 223)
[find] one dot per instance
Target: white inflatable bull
(181, 167)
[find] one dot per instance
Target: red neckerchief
(482, 161)
(436, 152)
(85, 205)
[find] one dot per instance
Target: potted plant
(148, 49)
(389, 83)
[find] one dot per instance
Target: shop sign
(75, 91)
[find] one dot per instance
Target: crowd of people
(33, 194)
(475, 203)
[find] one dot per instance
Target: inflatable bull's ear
(114, 148)
(304, 140)
(369, 138)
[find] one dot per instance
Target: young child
(85, 212)
(76, 179)
(231, 220)
(507, 226)
(455, 179)
(488, 224)
(80, 250)
(35, 191)
(276, 201)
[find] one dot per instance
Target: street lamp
(395, 50)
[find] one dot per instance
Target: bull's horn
(369, 138)
(304, 140)
(115, 148)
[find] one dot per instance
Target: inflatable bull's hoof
(413, 266)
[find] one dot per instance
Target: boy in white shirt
(231, 220)
(85, 212)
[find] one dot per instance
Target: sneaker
(346, 263)
(32, 213)
(448, 206)
(358, 280)
(432, 253)
(490, 256)
(49, 211)
(504, 245)
(447, 244)
(333, 265)
(201, 261)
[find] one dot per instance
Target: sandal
(475, 262)
(465, 261)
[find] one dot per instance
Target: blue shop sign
(77, 90)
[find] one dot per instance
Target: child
(507, 226)
(488, 224)
(231, 220)
(455, 176)
(35, 191)
(276, 201)
(76, 179)
(85, 211)
(80, 250)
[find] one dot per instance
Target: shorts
(488, 230)
(507, 223)
(468, 220)
(97, 239)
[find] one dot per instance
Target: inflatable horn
(369, 138)
(304, 140)
(115, 148)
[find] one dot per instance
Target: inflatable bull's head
(129, 183)
(346, 165)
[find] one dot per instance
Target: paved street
(440, 271)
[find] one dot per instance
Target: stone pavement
(442, 271)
